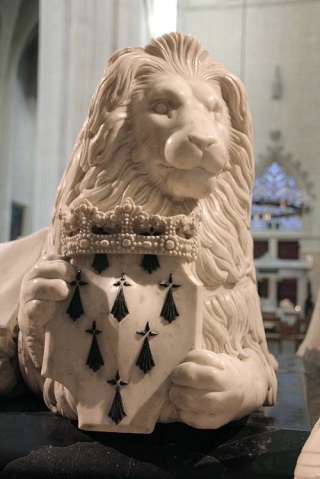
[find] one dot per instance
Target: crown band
(127, 229)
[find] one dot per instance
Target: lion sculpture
(170, 129)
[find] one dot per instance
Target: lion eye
(161, 108)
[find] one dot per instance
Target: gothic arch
(24, 29)
(281, 193)
(276, 151)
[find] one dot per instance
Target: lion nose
(202, 142)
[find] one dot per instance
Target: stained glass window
(277, 201)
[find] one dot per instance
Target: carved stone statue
(308, 464)
(143, 305)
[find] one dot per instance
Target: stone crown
(127, 229)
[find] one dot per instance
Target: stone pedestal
(44, 445)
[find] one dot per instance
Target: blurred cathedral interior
(53, 53)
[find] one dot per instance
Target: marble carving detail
(143, 305)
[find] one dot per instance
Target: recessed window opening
(277, 201)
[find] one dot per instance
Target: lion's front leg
(43, 288)
(210, 389)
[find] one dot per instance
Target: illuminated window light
(162, 17)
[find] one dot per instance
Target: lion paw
(210, 389)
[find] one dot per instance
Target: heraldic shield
(116, 341)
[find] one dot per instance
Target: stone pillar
(77, 37)
(7, 21)
(16, 26)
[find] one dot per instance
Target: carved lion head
(167, 127)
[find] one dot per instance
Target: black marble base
(36, 443)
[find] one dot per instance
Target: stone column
(77, 38)
(7, 21)
(16, 26)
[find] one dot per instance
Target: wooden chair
(299, 330)
(273, 329)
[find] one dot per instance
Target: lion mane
(105, 168)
